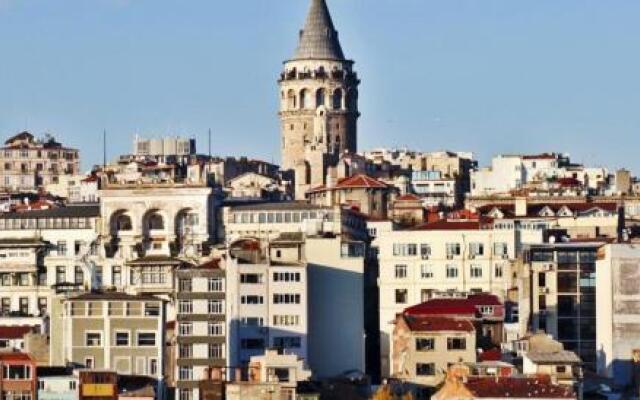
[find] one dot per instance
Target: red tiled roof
(17, 356)
(359, 181)
(408, 197)
(464, 306)
(438, 324)
(211, 264)
(447, 225)
(511, 387)
(460, 307)
(490, 355)
(568, 182)
(14, 332)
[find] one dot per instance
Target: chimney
(521, 206)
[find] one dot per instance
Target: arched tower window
(291, 99)
(304, 99)
(337, 99)
(321, 95)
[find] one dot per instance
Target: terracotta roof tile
(14, 332)
(512, 387)
(438, 324)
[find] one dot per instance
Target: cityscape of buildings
(338, 274)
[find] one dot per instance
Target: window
(498, 271)
(77, 246)
(287, 342)
(98, 276)
(61, 274)
(185, 329)
(146, 338)
(425, 344)
(151, 309)
(78, 275)
(476, 249)
(425, 369)
(405, 249)
(185, 373)
(401, 271)
(216, 350)
(93, 339)
(16, 372)
(476, 271)
(185, 307)
(453, 249)
(23, 279)
(215, 307)
(456, 343)
(215, 285)
(184, 285)
(286, 298)
(252, 321)
(286, 277)
(185, 350)
(452, 271)
(122, 339)
(286, 320)
(153, 366)
(401, 296)
(216, 329)
(542, 279)
(185, 394)
(62, 248)
(42, 306)
(425, 251)
(252, 344)
(251, 278)
(561, 369)
(500, 249)
(251, 299)
(426, 271)
(116, 275)
(88, 362)
(24, 305)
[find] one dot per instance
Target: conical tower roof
(319, 38)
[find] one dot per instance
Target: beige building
(425, 346)
(359, 192)
(270, 376)
(318, 102)
(112, 331)
(27, 163)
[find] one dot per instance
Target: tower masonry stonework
(318, 102)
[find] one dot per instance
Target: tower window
(291, 127)
(320, 97)
(337, 99)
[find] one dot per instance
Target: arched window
(337, 99)
(352, 100)
(291, 99)
(123, 223)
(156, 222)
(304, 99)
(321, 95)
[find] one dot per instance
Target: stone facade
(318, 102)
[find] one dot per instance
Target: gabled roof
(359, 181)
(15, 356)
(20, 136)
(445, 225)
(408, 197)
(454, 306)
(438, 324)
(553, 357)
(319, 38)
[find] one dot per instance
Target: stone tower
(318, 102)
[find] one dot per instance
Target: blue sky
(488, 76)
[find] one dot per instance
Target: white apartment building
(267, 298)
(462, 256)
(44, 252)
(164, 150)
(617, 313)
(435, 189)
(149, 229)
(505, 174)
(339, 282)
(201, 326)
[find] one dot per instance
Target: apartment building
(166, 150)
(44, 252)
(201, 326)
(19, 378)
(27, 163)
(425, 346)
(617, 314)
(150, 225)
(112, 331)
(341, 279)
(558, 294)
(267, 298)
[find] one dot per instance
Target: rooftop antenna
(209, 143)
(104, 149)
